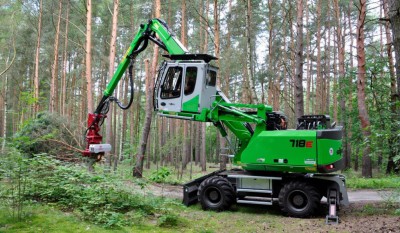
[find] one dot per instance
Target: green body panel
(268, 150)
(279, 149)
(173, 46)
(191, 105)
(329, 151)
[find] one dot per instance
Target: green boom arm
(146, 32)
(165, 40)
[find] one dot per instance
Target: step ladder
(256, 200)
(255, 190)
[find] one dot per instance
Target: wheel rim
(213, 196)
(297, 200)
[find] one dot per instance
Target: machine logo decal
(331, 151)
(301, 143)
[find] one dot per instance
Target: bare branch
(69, 147)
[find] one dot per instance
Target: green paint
(276, 149)
(191, 105)
(328, 151)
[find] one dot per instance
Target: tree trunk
(203, 161)
(394, 16)
(63, 102)
(349, 107)
(341, 57)
(54, 68)
(271, 67)
(111, 68)
(133, 110)
(283, 60)
(223, 159)
(148, 149)
(249, 56)
(205, 47)
(124, 120)
(334, 89)
(5, 103)
(186, 134)
(72, 98)
(394, 97)
(198, 142)
(88, 48)
(327, 66)
(37, 60)
(216, 34)
(298, 81)
(309, 65)
(319, 90)
(200, 20)
(361, 81)
(161, 139)
(183, 23)
(138, 169)
(291, 76)
(202, 126)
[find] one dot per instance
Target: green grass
(373, 183)
(380, 181)
(46, 218)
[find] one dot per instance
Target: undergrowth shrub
(100, 199)
(47, 133)
(13, 182)
(168, 220)
(160, 175)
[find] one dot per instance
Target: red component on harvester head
(93, 136)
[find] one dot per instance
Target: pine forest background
(336, 57)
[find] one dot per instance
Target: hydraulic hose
(125, 107)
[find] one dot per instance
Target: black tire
(299, 199)
(216, 193)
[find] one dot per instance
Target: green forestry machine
(291, 167)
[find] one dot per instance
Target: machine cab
(185, 84)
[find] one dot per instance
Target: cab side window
(211, 78)
(190, 80)
(171, 88)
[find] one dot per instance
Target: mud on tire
(299, 199)
(216, 193)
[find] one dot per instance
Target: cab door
(192, 88)
(209, 88)
(170, 94)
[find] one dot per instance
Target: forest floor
(369, 211)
